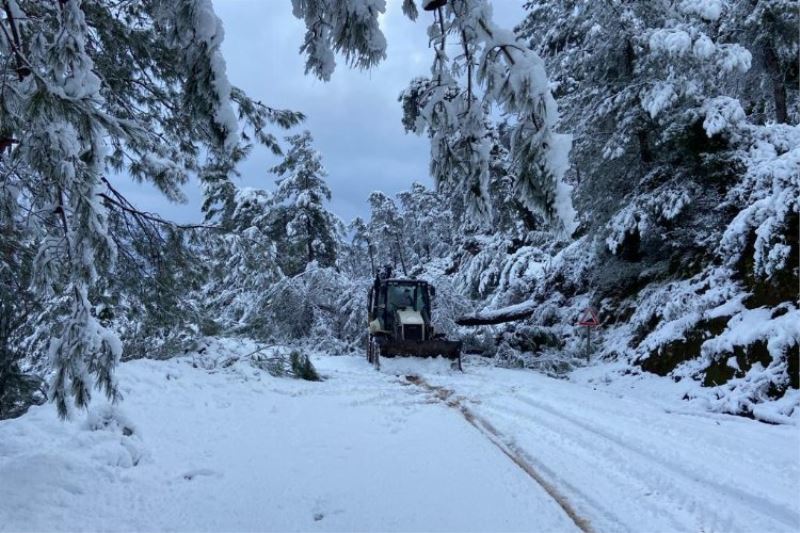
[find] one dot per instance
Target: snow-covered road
(487, 450)
(632, 464)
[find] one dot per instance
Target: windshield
(406, 296)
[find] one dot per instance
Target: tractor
(399, 320)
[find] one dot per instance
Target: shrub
(302, 368)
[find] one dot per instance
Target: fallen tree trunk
(498, 316)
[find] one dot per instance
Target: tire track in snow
(617, 473)
(758, 504)
(674, 483)
(511, 451)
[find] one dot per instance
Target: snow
(629, 455)
(510, 78)
(734, 57)
(210, 442)
(74, 76)
(200, 39)
(673, 42)
(558, 158)
(208, 29)
(722, 113)
(703, 47)
(494, 314)
(659, 98)
(349, 27)
(710, 10)
(239, 450)
(768, 195)
(752, 325)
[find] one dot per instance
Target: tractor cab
(399, 320)
(401, 308)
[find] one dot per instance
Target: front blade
(428, 348)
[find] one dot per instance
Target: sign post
(589, 320)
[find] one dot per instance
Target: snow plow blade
(429, 348)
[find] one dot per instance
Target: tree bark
(309, 239)
(645, 153)
(400, 254)
(497, 316)
(778, 87)
(23, 71)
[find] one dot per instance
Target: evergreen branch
(123, 203)
(23, 67)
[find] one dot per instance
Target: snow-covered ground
(234, 449)
(628, 457)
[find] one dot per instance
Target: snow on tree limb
(348, 27)
(452, 107)
(490, 68)
(196, 32)
(94, 89)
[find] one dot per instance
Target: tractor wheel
(376, 354)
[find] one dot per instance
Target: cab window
(400, 296)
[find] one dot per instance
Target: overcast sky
(354, 118)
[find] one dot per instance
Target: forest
(603, 248)
(640, 157)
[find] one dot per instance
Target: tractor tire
(376, 354)
(373, 352)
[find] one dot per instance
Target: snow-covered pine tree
(691, 200)
(243, 265)
(427, 224)
(490, 68)
(768, 29)
(386, 233)
(153, 300)
(312, 232)
(359, 254)
(669, 91)
(62, 146)
(93, 87)
(18, 307)
(644, 72)
(349, 28)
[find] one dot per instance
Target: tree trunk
(371, 258)
(498, 316)
(309, 239)
(645, 153)
(400, 255)
(778, 87)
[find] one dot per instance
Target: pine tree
(359, 257)
(658, 83)
(153, 301)
(685, 172)
(93, 87)
(243, 265)
(427, 224)
(348, 28)
(491, 68)
(312, 232)
(18, 307)
(386, 233)
(768, 28)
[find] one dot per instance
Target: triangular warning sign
(589, 318)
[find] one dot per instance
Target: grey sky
(354, 118)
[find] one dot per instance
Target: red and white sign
(589, 318)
